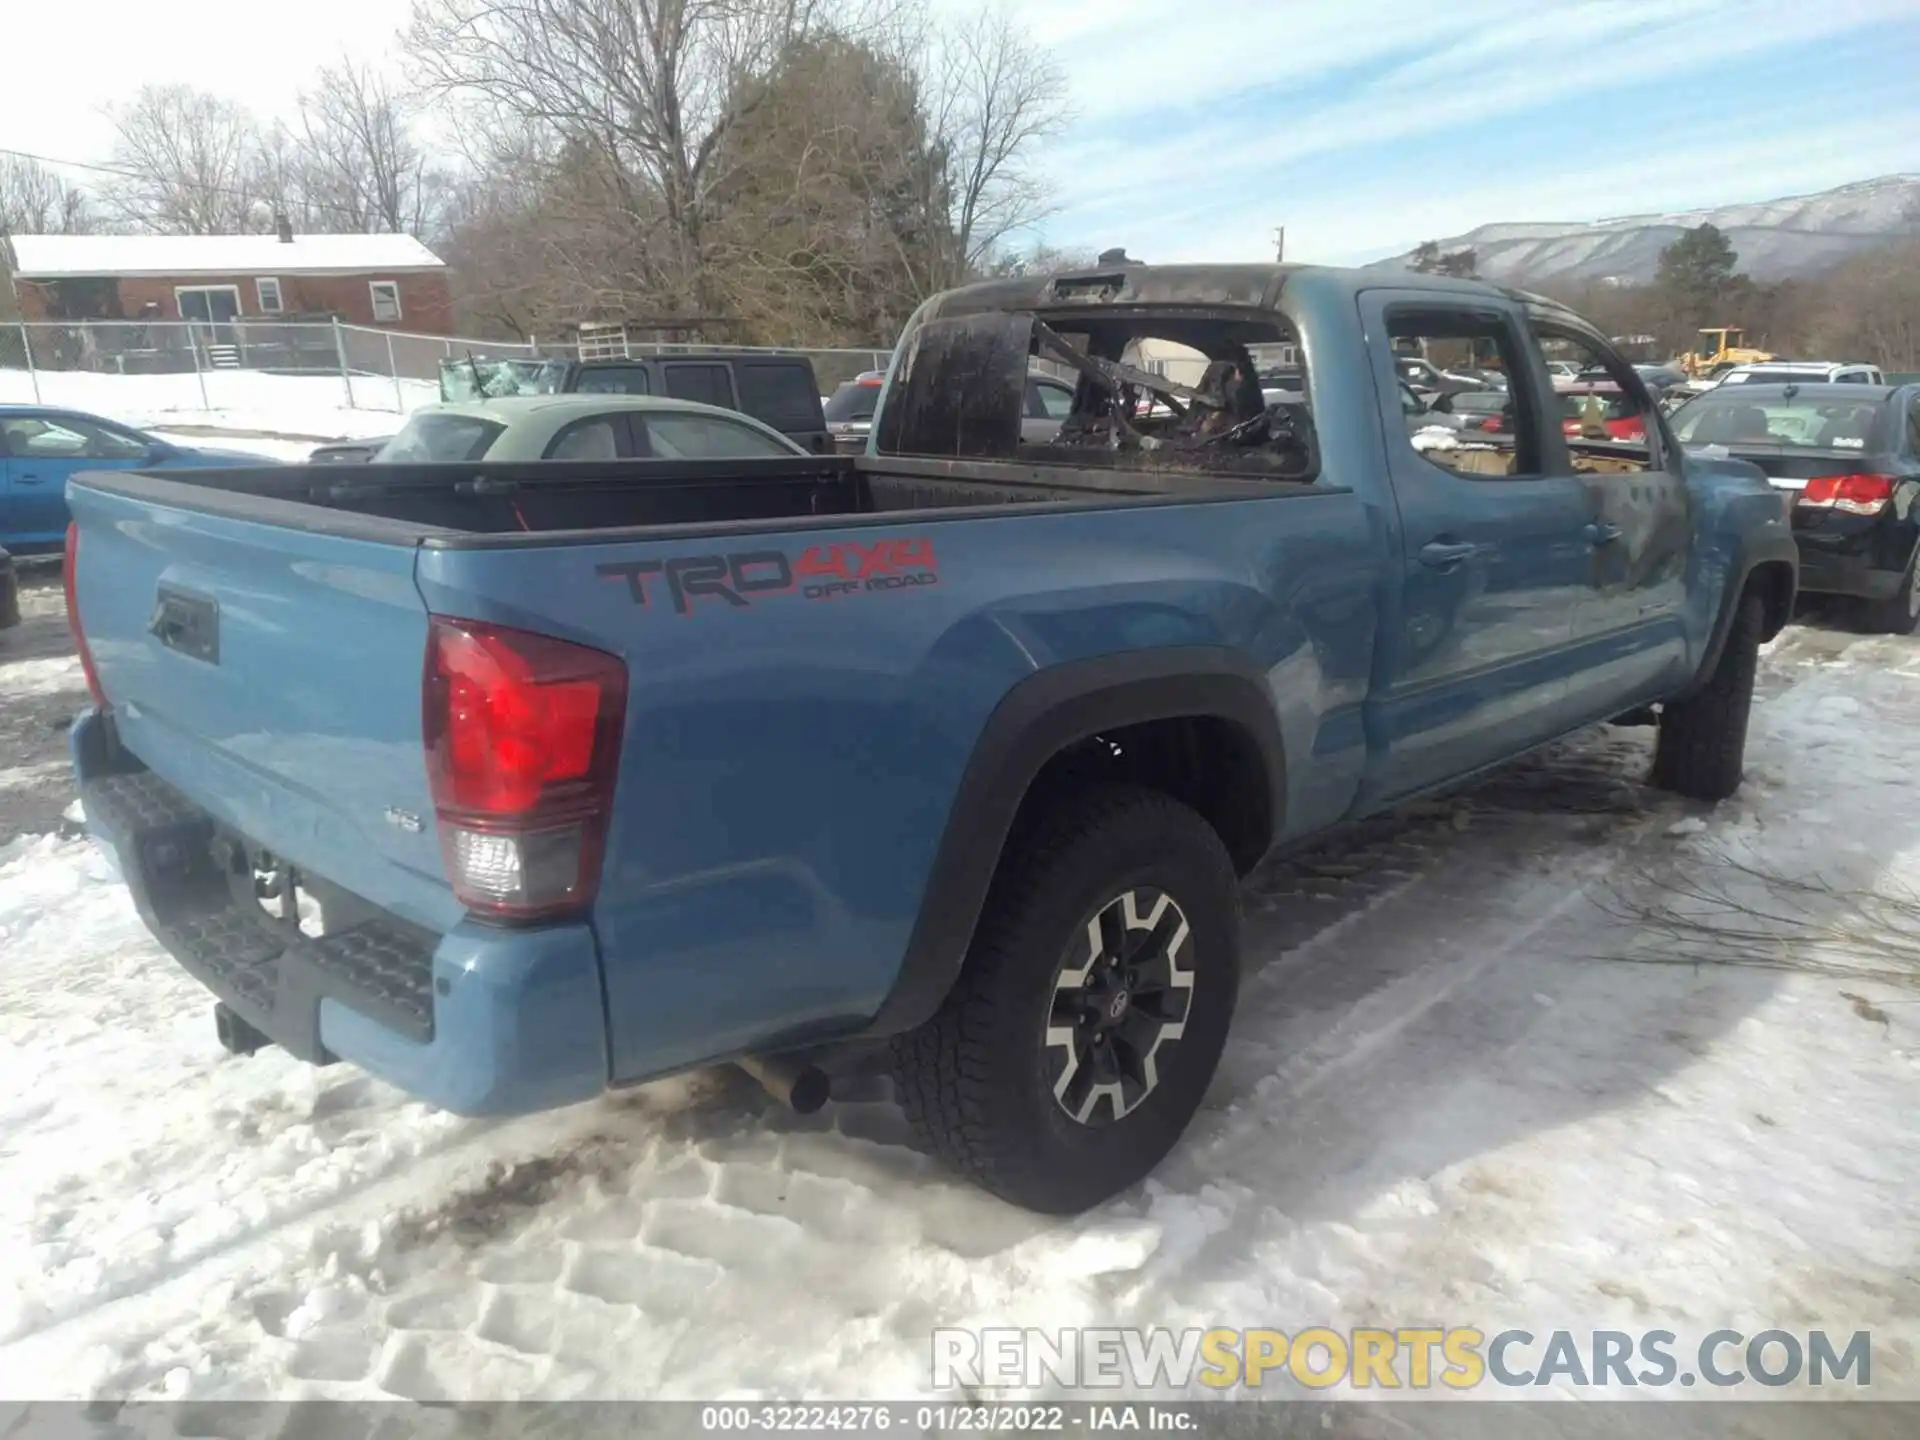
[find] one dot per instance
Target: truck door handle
(1602, 534)
(1445, 554)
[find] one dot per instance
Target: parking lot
(1446, 1054)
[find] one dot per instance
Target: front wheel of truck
(1703, 739)
(1092, 1008)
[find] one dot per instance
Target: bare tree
(992, 97)
(1037, 259)
(362, 166)
(1870, 309)
(279, 176)
(185, 163)
(795, 168)
(649, 89)
(539, 237)
(816, 230)
(35, 200)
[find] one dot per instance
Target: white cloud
(65, 65)
(1714, 170)
(1495, 63)
(1132, 57)
(1217, 99)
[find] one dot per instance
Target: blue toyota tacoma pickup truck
(514, 783)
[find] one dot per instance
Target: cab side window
(1473, 347)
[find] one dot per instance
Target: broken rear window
(1179, 391)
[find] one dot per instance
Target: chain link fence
(386, 370)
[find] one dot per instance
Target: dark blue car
(43, 446)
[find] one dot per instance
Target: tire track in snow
(679, 1218)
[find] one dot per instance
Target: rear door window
(593, 437)
(779, 393)
(707, 437)
(708, 384)
(1049, 400)
(441, 439)
(1468, 337)
(614, 380)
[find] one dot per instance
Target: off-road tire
(1899, 612)
(1703, 739)
(973, 1079)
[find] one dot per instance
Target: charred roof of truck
(1228, 287)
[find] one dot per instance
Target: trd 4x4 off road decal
(820, 572)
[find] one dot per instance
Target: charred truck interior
(956, 393)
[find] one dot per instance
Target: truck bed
(268, 653)
(463, 506)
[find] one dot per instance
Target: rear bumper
(480, 1021)
(1846, 575)
(1867, 561)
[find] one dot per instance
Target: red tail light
(523, 745)
(71, 575)
(1855, 494)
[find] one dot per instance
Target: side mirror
(158, 452)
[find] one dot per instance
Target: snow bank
(313, 407)
(1446, 1101)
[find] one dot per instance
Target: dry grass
(1719, 909)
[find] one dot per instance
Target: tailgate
(273, 676)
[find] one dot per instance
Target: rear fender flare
(1038, 719)
(1763, 554)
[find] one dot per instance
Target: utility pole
(1280, 244)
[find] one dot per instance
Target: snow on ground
(267, 447)
(47, 676)
(1447, 1100)
(289, 407)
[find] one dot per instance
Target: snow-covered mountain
(1776, 239)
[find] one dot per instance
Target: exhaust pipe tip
(801, 1087)
(236, 1035)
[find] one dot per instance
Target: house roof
(50, 257)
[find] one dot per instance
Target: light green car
(580, 427)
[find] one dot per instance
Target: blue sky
(1367, 127)
(1364, 126)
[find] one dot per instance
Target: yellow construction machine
(1720, 349)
